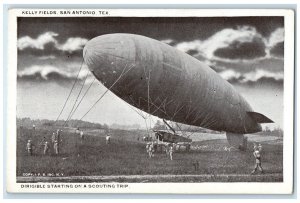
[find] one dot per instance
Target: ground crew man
(43, 141)
(58, 134)
(59, 140)
(257, 155)
(53, 138)
(29, 148)
(77, 131)
(55, 146)
(167, 149)
(46, 148)
(151, 150)
(33, 130)
(107, 139)
(147, 147)
(171, 150)
(41, 144)
(81, 136)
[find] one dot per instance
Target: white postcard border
(286, 187)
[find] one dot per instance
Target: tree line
(28, 122)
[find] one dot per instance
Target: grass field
(126, 155)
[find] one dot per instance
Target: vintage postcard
(174, 101)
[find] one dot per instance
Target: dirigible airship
(165, 82)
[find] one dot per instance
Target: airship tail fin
(259, 118)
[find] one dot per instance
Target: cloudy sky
(246, 51)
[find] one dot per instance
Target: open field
(126, 157)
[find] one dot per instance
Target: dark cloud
(269, 80)
(67, 34)
(242, 50)
(262, 80)
(268, 64)
(216, 68)
(177, 30)
(278, 50)
(49, 50)
(63, 62)
(193, 52)
(243, 45)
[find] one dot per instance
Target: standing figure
(41, 144)
(77, 131)
(259, 147)
(257, 155)
(58, 140)
(33, 130)
(147, 147)
(58, 135)
(46, 148)
(55, 147)
(171, 150)
(167, 149)
(107, 139)
(53, 140)
(29, 148)
(151, 150)
(81, 137)
(53, 137)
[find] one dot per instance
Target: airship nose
(108, 55)
(108, 51)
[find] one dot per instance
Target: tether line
(82, 98)
(68, 118)
(123, 73)
(70, 91)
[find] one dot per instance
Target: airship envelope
(165, 82)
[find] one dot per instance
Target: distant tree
(105, 126)
(278, 132)
(48, 124)
(267, 129)
(27, 122)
